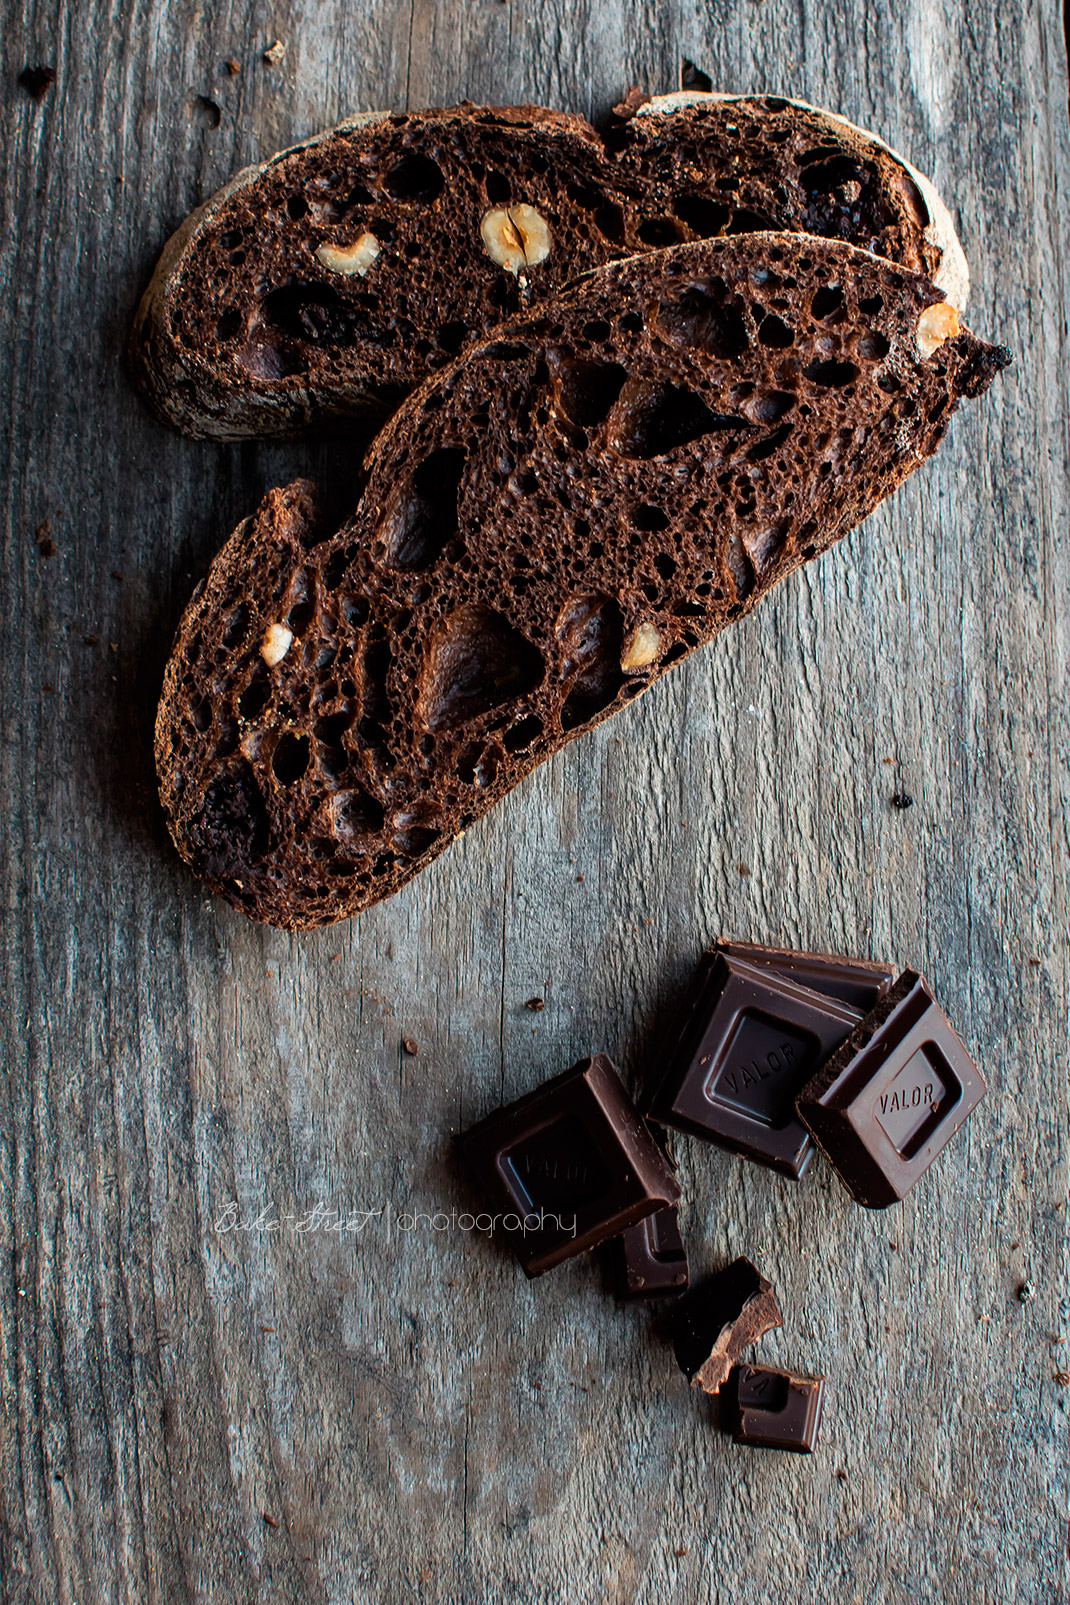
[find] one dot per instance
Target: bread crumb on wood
(37, 81)
(274, 53)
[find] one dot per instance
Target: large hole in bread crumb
(253, 699)
(311, 312)
(648, 518)
(415, 178)
(357, 813)
(658, 231)
(774, 332)
(827, 302)
(703, 217)
(237, 625)
(652, 418)
(421, 518)
(229, 325)
(330, 729)
(738, 564)
(476, 662)
(821, 177)
(707, 316)
(834, 375)
(591, 632)
(375, 710)
(763, 545)
(290, 758)
(585, 391)
(523, 733)
(765, 448)
(770, 407)
(747, 222)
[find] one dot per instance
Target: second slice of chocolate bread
(336, 276)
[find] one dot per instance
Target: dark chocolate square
(568, 1166)
(650, 1258)
(893, 1095)
(751, 1041)
(776, 1409)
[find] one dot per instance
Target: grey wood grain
(198, 1406)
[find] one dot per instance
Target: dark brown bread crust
(580, 502)
(244, 330)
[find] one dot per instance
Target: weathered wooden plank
(282, 1412)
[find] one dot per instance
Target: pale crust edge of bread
(953, 274)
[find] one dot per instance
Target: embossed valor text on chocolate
(893, 1095)
(749, 1041)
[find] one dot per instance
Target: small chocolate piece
(569, 1165)
(776, 1409)
(650, 1258)
(893, 1095)
(719, 1319)
(750, 1043)
(860, 983)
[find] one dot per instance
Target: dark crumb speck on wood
(37, 81)
(536, 1005)
(411, 1046)
(692, 77)
(902, 799)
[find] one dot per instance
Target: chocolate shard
(748, 1044)
(860, 983)
(568, 1166)
(718, 1320)
(776, 1409)
(650, 1258)
(893, 1095)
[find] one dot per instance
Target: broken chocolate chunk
(719, 1319)
(859, 983)
(650, 1258)
(776, 1409)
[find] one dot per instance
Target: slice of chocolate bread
(341, 273)
(587, 496)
